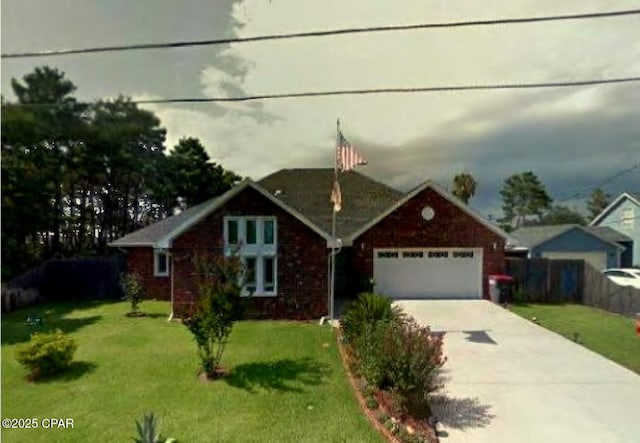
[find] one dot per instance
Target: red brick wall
(450, 227)
(140, 260)
(302, 260)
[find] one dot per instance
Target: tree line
(76, 176)
(526, 202)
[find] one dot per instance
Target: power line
(451, 88)
(602, 183)
(191, 43)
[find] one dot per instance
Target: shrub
(46, 353)
(414, 360)
(133, 290)
(371, 359)
(366, 309)
(147, 432)
(220, 304)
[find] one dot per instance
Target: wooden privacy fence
(602, 293)
(553, 281)
(545, 280)
(81, 278)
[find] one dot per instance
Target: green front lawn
(287, 381)
(610, 335)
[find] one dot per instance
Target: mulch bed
(218, 373)
(135, 314)
(385, 406)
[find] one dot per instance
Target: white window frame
(259, 250)
(156, 263)
(627, 218)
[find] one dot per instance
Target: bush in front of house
(46, 353)
(414, 357)
(393, 352)
(367, 309)
(133, 290)
(219, 306)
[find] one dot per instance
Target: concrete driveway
(509, 380)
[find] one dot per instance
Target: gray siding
(576, 240)
(614, 221)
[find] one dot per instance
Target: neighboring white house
(623, 215)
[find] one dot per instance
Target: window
(232, 232)
(160, 264)
(250, 274)
(267, 233)
(627, 218)
(250, 229)
(255, 240)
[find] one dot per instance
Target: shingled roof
(303, 192)
(149, 235)
(532, 236)
(308, 191)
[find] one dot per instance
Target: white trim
(259, 250)
(450, 198)
(612, 205)
(156, 262)
(165, 242)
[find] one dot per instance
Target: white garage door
(428, 273)
(596, 259)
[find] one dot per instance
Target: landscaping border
(382, 429)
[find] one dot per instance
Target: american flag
(347, 157)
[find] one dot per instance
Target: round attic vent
(428, 213)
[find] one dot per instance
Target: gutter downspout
(171, 264)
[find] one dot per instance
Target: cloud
(570, 137)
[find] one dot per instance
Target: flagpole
(332, 277)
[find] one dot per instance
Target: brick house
(422, 244)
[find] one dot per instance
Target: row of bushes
(393, 353)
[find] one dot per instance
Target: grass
(287, 382)
(610, 335)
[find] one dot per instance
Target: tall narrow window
(250, 276)
(268, 237)
(268, 274)
(232, 232)
(251, 231)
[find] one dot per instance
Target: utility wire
(450, 88)
(190, 43)
(602, 183)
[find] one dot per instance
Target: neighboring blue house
(623, 216)
(602, 247)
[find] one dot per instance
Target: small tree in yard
(219, 305)
(133, 291)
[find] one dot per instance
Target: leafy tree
(195, 178)
(524, 197)
(464, 186)
(77, 176)
(559, 215)
(598, 201)
(220, 304)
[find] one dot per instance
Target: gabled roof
(411, 194)
(309, 190)
(305, 194)
(633, 196)
(533, 236)
(160, 235)
(608, 233)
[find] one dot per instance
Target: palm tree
(464, 186)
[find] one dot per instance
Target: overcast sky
(571, 138)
